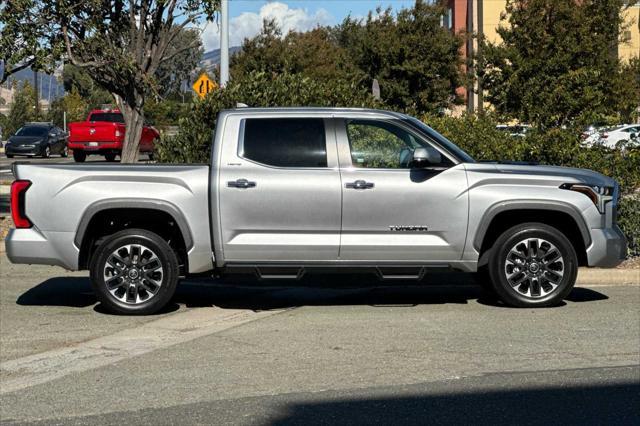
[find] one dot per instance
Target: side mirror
(424, 157)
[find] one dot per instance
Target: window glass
(382, 145)
(285, 142)
(32, 131)
(110, 117)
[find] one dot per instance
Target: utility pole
(224, 42)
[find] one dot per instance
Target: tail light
(18, 195)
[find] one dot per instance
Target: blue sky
(246, 16)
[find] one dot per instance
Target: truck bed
(61, 197)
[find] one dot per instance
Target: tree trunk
(132, 110)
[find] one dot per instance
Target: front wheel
(134, 272)
(110, 157)
(79, 156)
(533, 265)
(46, 152)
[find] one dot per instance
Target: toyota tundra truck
(293, 191)
(102, 133)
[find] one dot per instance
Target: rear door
(391, 211)
(279, 189)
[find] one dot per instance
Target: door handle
(241, 183)
(359, 184)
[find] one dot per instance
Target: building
(482, 17)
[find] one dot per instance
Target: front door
(392, 211)
(280, 198)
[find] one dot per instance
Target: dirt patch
(633, 263)
(5, 224)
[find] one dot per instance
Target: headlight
(599, 195)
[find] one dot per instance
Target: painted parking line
(168, 331)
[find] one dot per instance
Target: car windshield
(32, 131)
(446, 143)
(110, 117)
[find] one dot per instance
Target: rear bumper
(31, 246)
(608, 247)
(100, 146)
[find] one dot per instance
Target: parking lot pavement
(336, 350)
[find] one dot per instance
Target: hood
(546, 173)
(25, 140)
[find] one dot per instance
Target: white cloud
(248, 24)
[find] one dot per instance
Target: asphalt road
(337, 350)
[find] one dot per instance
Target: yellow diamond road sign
(204, 85)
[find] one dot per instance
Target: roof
(315, 110)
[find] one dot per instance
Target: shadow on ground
(249, 293)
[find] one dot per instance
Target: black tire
(46, 152)
(150, 156)
(542, 294)
(9, 155)
(79, 156)
(110, 157)
(166, 257)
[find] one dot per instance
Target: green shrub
(629, 221)
(257, 89)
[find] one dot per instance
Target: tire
(9, 155)
(533, 265)
(65, 152)
(122, 284)
(110, 157)
(46, 152)
(150, 156)
(79, 156)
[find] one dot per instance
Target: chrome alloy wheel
(133, 274)
(534, 267)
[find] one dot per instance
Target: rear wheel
(110, 157)
(79, 156)
(533, 265)
(134, 272)
(9, 156)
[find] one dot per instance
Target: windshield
(446, 143)
(110, 117)
(32, 131)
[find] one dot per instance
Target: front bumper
(32, 246)
(19, 150)
(608, 247)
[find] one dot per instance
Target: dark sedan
(37, 139)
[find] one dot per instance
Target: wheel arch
(560, 215)
(158, 216)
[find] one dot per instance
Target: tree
(27, 38)
(315, 54)
(121, 43)
(556, 64)
(79, 80)
(416, 61)
(179, 67)
(73, 104)
(22, 109)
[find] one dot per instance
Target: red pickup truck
(103, 134)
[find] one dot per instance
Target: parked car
(293, 190)
(102, 133)
(591, 135)
(515, 130)
(37, 139)
(626, 133)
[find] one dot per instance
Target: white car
(625, 133)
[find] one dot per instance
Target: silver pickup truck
(293, 190)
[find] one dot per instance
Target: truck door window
(382, 145)
(285, 142)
